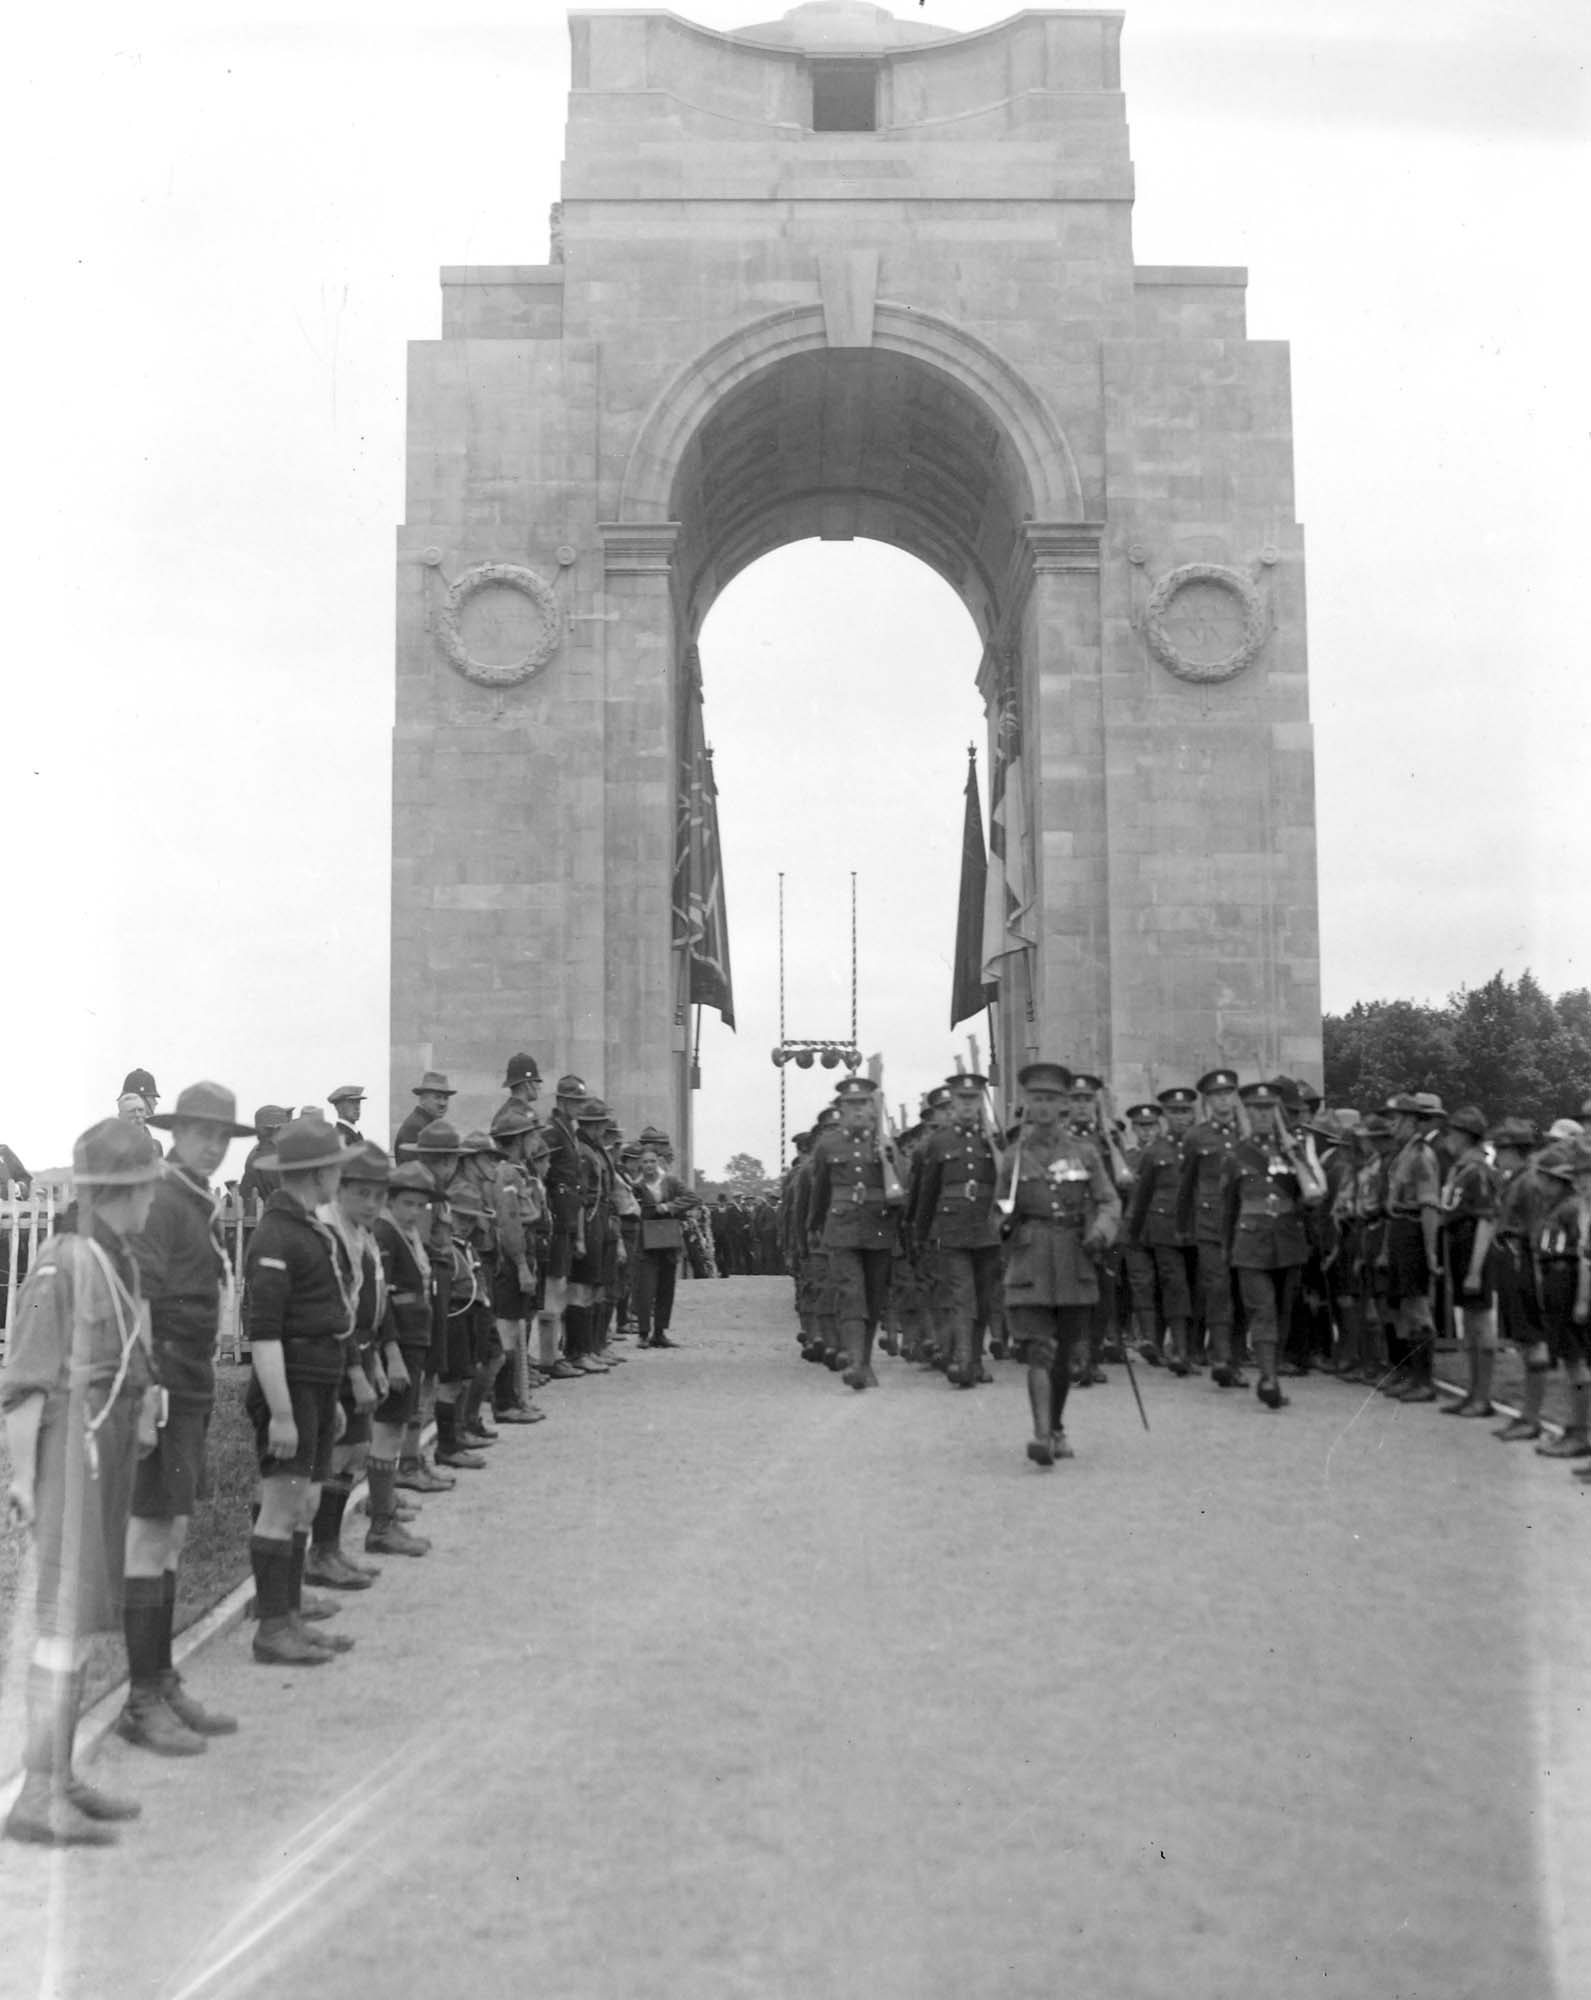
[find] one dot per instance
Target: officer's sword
(1126, 1355)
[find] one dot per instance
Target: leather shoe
(394, 1539)
(281, 1643)
(47, 1818)
(662, 1340)
(192, 1714)
(329, 1569)
(1421, 1392)
(92, 1803)
(1270, 1394)
(148, 1722)
(1041, 1451)
(564, 1371)
(1518, 1430)
(1570, 1445)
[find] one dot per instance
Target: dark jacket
(1064, 1195)
(953, 1190)
(408, 1285)
(183, 1268)
(1264, 1207)
(848, 1200)
(1156, 1190)
(1201, 1216)
(295, 1294)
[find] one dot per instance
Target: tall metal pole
(853, 958)
(782, 1080)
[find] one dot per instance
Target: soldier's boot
(834, 1355)
(1060, 1382)
(1146, 1324)
(1177, 1336)
(854, 1334)
(980, 1369)
(890, 1340)
(1040, 1447)
(1349, 1358)
(960, 1372)
(868, 1334)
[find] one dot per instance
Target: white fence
(26, 1225)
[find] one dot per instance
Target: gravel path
(728, 1682)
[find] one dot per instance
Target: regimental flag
(968, 992)
(701, 924)
(1008, 893)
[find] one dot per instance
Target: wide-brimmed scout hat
(369, 1162)
(271, 1117)
(212, 1102)
(1217, 1079)
(571, 1086)
(1520, 1133)
(478, 1142)
(305, 1146)
(592, 1112)
(433, 1080)
(464, 1200)
(1468, 1118)
(115, 1154)
(519, 1069)
(1559, 1161)
(512, 1120)
(1332, 1126)
(439, 1137)
(1564, 1128)
(346, 1092)
(414, 1177)
(1377, 1126)
(1045, 1076)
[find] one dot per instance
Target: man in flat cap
(347, 1102)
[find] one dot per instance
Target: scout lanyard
(129, 1315)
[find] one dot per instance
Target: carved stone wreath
(1246, 636)
(507, 576)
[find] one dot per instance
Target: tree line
(1505, 1046)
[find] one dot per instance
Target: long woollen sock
(328, 1525)
(168, 1617)
(271, 1561)
(297, 1550)
(143, 1609)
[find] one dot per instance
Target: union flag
(701, 923)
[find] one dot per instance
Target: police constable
(1063, 1210)
(855, 1215)
(953, 1215)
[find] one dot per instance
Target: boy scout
(1471, 1192)
(1412, 1254)
(1063, 1210)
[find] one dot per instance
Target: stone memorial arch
(846, 275)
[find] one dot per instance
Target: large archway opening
(843, 688)
(841, 697)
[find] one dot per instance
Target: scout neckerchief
(132, 1325)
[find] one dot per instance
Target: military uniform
(1155, 1240)
(1064, 1209)
(953, 1211)
(1201, 1219)
(1267, 1239)
(858, 1221)
(824, 1346)
(1414, 1194)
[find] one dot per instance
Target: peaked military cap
(1259, 1096)
(1143, 1114)
(433, 1080)
(851, 1088)
(1288, 1092)
(965, 1082)
(369, 1163)
(1045, 1076)
(937, 1098)
(212, 1102)
(115, 1154)
(520, 1068)
(571, 1086)
(802, 1141)
(825, 1117)
(1181, 1096)
(1308, 1093)
(1217, 1079)
(1082, 1081)
(411, 1176)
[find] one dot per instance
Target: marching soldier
(826, 1347)
(1153, 1235)
(1267, 1182)
(1063, 1210)
(953, 1214)
(940, 1349)
(855, 1216)
(1088, 1121)
(1201, 1217)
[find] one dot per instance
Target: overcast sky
(225, 226)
